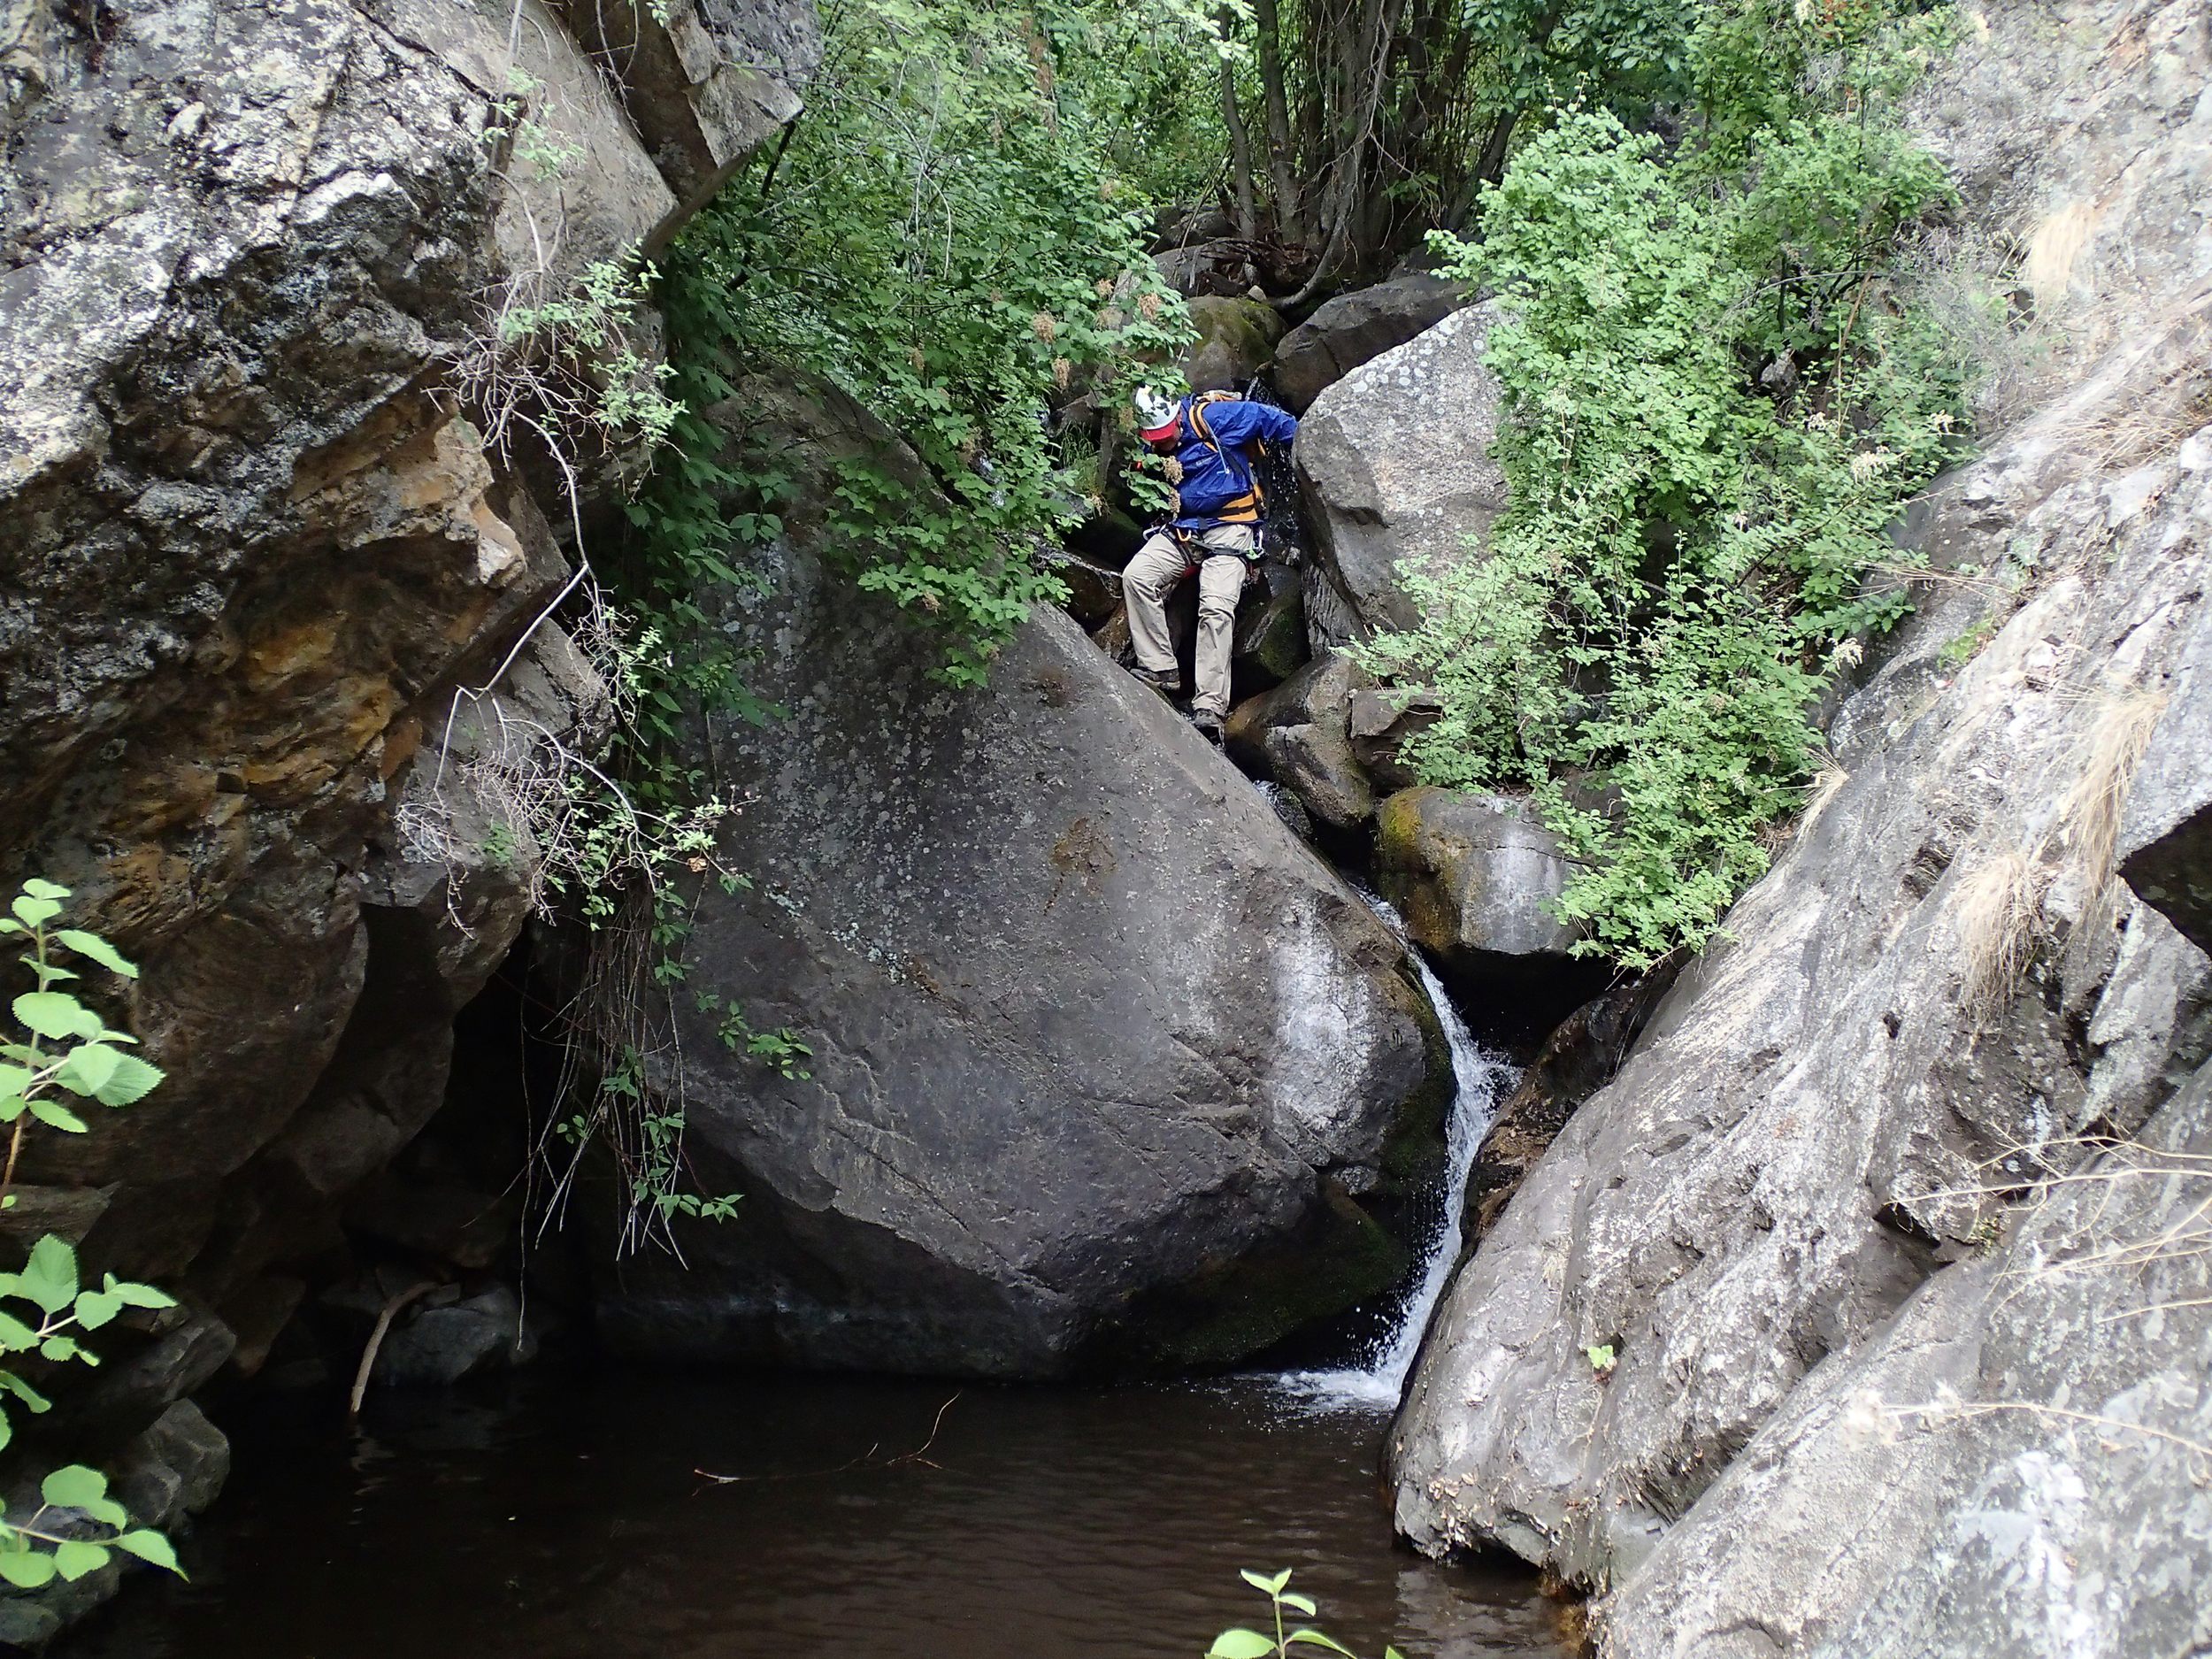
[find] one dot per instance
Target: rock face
(1354, 328)
(1394, 467)
(2004, 1472)
(272, 636)
(2165, 843)
(253, 551)
(1580, 1055)
(1469, 872)
(1802, 1135)
(1109, 1092)
(1867, 1399)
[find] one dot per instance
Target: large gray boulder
(1355, 329)
(1472, 873)
(1394, 468)
(1828, 1103)
(2165, 843)
(1102, 1057)
(2013, 1468)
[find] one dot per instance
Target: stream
(627, 1514)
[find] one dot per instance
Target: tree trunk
(1240, 144)
(1282, 175)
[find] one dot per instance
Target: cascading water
(1479, 1078)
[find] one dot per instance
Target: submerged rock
(1101, 1056)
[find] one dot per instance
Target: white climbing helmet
(1155, 413)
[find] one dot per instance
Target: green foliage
(81, 1495)
(1239, 1643)
(945, 243)
(1719, 395)
(64, 1046)
(780, 1048)
(47, 1283)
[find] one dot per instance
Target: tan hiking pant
(1151, 577)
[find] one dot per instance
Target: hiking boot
(1167, 682)
(1209, 725)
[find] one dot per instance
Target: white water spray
(1481, 1077)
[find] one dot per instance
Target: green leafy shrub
(946, 241)
(64, 1046)
(1240, 1643)
(1718, 394)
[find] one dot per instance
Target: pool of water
(573, 1515)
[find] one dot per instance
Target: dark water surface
(563, 1518)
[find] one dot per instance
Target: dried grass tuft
(1996, 915)
(2090, 815)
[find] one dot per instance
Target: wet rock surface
(1295, 736)
(1123, 1078)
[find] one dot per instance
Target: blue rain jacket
(1220, 483)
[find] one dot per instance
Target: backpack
(1251, 506)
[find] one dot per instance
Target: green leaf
(1599, 1357)
(15, 1079)
(56, 1014)
(73, 1486)
(32, 1570)
(75, 1557)
(108, 1512)
(1260, 1581)
(58, 1115)
(49, 1277)
(23, 1391)
(150, 1546)
(15, 1336)
(88, 1067)
(31, 912)
(1240, 1644)
(39, 888)
(1298, 1603)
(59, 1348)
(133, 1080)
(98, 948)
(95, 1307)
(1315, 1639)
(137, 1295)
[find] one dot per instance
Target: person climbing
(1212, 440)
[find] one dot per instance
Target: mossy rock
(1236, 339)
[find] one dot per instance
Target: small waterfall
(1481, 1079)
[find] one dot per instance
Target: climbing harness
(1248, 507)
